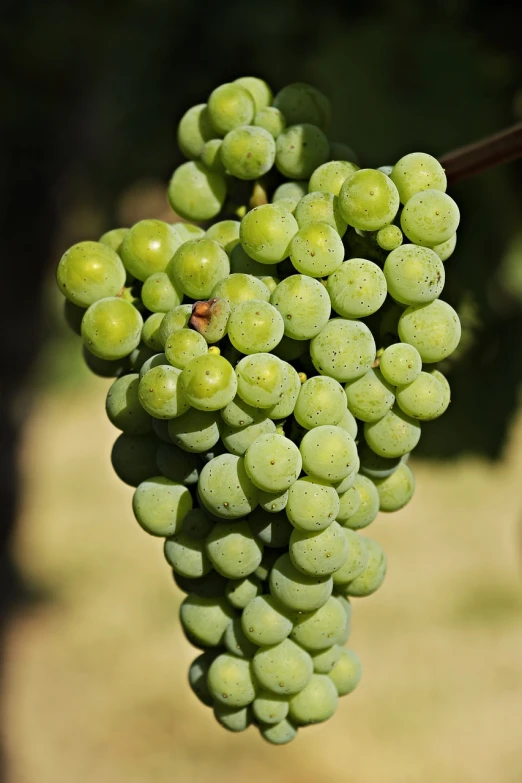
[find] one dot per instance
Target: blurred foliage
(94, 91)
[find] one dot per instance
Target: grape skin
(258, 89)
(187, 556)
(414, 275)
(312, 504)
(229, 106)
(328, 452)
(198, 266)
(271, 119)
(321, 401)
(195, 431)
(357, 288)
(374, 572)
(318, 207)
(261, 380)
(240, 592)
(133, 458)
(208, 382)
(239, 288)
(183, 346)
(225, 488)
(368, 200)
(370, 397)
(423, 398)
(400, 363)
(300, 102)
(343, 349)
(368, 506)
(123, 406)
(248, 152)
(233, 550)
(316, 703)
(269, 709)
(430, 218)
(356, 561)
(266, 232)
(238, 439)
(195, 193)
(150, 333)
(325, 660)
(159, 295)
(284, 668)
(417, 172)
(319, 553)
(316, 250)
(433, 329)
(278, 734)
(194, 130)
(394, 435)
(265, 622)
(330, 177)
(113, 238)
(272, 529)
(320, 629)
(255, 327)
(347, 672)
(396, 490)
(160, 506)
(232, 718)
(273, 462)
(389, 238)
(303, 304)
(175, 319)
(160, 392)
(297, 591)
(111, 328)
(300, 149)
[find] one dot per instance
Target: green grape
(160, 505)
(73, 316)
(255, 327)
(325, 660)
(319, 553)
(417, 172)
(139, 356)
(198, 266)
(272, 529)
(348, 481)
(315, 703)
(270, 282)
(248, 152)
(239, 288)
(90, 271)
(197, 676)
(261, 380)
(187, 556)
(328, 452)
(269, 708)
(241, 262)
(374, 466)
(340, 151)
(205, 620)
(133, 458)
(271, 119)
(389, 237)
(430, 218)
(361, 244)
(278, 734)
(304, 306)
(123, 406)
(183, 346)
(210, 157)
(370, 397)
(300, 102)
(258, 89)
(233, 550)
(194, 130)
(394, 435)
(284, 668)
(159, 295)
(111, 328)
(321, 401)
(161, 394)
(368, 507)
(156, 360)
(273, 462)
(400, 363)
(273, 502)
(349, 502)
(386, 170)
(343, 349)
(300, 149)
(297, 591)
(238, 439)
(330, 177)
(396, 490)
(150, 333)
(225, 488)
(230, 681)
(264, 569)
(316, 250)
(265, 622)
(286, 404)
(236, 642)
(415, 275)
(312, 504)
(346, 674)
(289, 194)
(239, 414)
(266, 232)
(433, 329)
(347, 606)
(445, 388)
(423, 398)
(175, 464)
(445, 249)
(209, 382)
(348, 423)
(195, 431)
(374, 572)
(368, 200)
(320, 629)
(225, 233)
(210, 319)
(357, 288)
(195, 193)
(212, 585)
(113, 238)
(148, 247)
(233, 718)
(356, 561)
(229, 106)
(196, 524)
(187, 230)
(240, 592)
(174, 320)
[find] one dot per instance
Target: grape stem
(465, 162)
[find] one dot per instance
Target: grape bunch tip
(274, 353)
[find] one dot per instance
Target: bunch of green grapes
(271, 371)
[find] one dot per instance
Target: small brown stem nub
(472, 159)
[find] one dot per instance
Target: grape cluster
(272, 371)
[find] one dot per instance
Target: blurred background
(94, 664)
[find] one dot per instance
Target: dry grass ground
(96, 686)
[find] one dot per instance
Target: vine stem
(472, 159)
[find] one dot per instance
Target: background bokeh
(93, 681)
